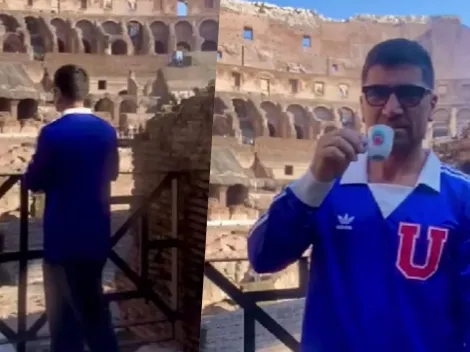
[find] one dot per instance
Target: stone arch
(13, 43)
(272, 117)
(236, 195)
(209, 31)
(10, 23)
(126, 107)
(27, 109)
(119, 47)
(111, 28)
(135, 31)
(300, 120)
(5, 104)
(160, 33)
(246, 125)
(62, 35)
(184, 35)
(33, 25)
(105, 105)
(87, 34)
(463, 120)
(347, 117)
(441, 123)
(209, 45)
(323, 114)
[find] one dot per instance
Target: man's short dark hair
(72, 82)
(400, 51)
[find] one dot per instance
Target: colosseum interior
(142, 57)
(284, 77)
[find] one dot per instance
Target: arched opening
(184, 34)
(246, 127)
(300, 121)
(323, 114)
(13, 44)
(60, 46)
(5, 105)
(105, 108)
(209, 30)
(27, 109)
(236, 195)
(347, 117)
(463, 121)
(135, 32)
(183, 46)
(86, 46)
(119, 47)
(182, 8)
(209, 45)
(112, 28)
(160, 33)
(272, 115)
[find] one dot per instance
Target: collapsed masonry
(175, 140)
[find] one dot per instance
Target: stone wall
(179, 140)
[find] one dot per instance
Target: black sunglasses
(408, 95)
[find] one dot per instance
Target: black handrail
(140, 280)
(248, 302)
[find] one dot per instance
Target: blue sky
(339, 9)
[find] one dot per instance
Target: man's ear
(434, 100)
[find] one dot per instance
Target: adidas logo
(345, 222)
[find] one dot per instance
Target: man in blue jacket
(390, 240)
(75, 162)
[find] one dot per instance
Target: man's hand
(334, 151)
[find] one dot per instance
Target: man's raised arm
(284, 233)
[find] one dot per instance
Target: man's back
(81, 153)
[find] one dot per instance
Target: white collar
(76, 111)
(430, 174)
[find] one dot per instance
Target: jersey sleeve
(286, 230)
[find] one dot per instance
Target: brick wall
(174, 141)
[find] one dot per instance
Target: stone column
(453, 122)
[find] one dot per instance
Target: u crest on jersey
(409, 234)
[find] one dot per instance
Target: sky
(340, 9)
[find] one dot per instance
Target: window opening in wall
(442, 90)
(132, 4)
(30, 2)
(83, 4)
(334, 68)
(219, 55)
(182, 8)
(236, 79)
(294, 86)
(209, 4)
(306, 42)
(319, 88)
(265, 86)
(102, 85)
(343, 90)
(288, 170)
(248, 33)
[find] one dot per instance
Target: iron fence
(138, 216)
(249, 300)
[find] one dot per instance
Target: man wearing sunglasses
(391, 240)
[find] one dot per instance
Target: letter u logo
(409, 233)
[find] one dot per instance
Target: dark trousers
(76, 309)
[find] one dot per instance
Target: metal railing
(138, 216)
(248, 301)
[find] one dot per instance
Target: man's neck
(74, 105)
(400, 169)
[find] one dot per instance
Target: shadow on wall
(177, 140)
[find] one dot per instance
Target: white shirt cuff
(310, 191)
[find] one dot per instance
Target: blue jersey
(75, 161)
(390, 268)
